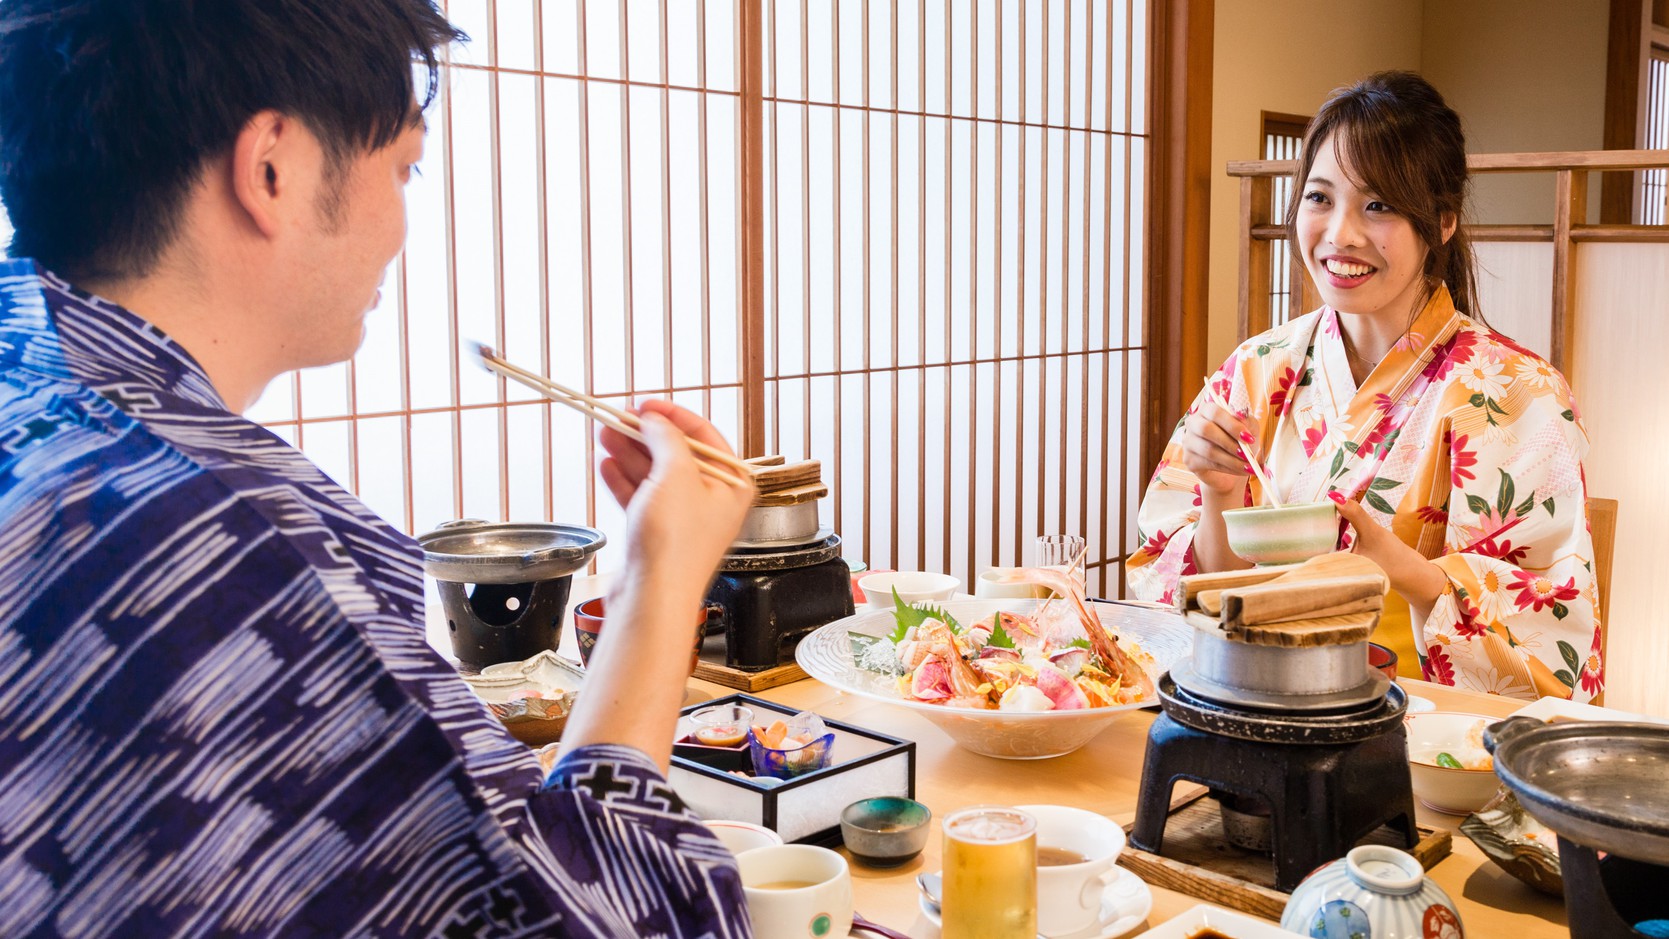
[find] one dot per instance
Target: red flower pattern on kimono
(1314, 437)
(1538, 592)
(1593, 669)
(1283, 387)
(1461, 461)
(1438, 668)
(1432, 515)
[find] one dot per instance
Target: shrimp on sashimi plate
(1060, 657)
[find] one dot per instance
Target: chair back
(1602, 526)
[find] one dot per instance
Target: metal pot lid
(1598, 784)
(473, 551)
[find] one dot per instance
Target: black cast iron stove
(1323, 779)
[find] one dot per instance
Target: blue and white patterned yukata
(218, 712)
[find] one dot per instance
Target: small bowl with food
(1452, 771)
(1285, 534)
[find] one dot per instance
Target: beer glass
(990, 874)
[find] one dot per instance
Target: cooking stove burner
(1606, 897)
(773, 596)
(781, 556)
(1329, 780)
(1362, 722)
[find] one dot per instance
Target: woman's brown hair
(1404, 144)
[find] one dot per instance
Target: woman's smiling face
(1363, 255)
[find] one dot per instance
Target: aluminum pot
(1597, 784)
(1309, 678)
(473, 551)
(779, 524)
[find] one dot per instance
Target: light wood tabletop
(1104, 777)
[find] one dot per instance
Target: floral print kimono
(1465, 445)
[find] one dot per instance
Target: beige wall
(1284, 55)
(1525, 75)
(1537, 84)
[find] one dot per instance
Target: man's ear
(1449, 221)
(265, 168)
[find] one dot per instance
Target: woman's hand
(1412, 575)
(679, 521)
(1211, 449)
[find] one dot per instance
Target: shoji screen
(952, 222)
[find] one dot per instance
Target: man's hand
(679, 521)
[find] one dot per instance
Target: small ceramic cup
(742, 836)
(797, 891)
(1382, 659)
(1076, 853)
(885, 831)
(1374, 886)
(721, 725)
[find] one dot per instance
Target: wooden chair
(1602, 525)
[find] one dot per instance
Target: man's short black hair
(109, 109)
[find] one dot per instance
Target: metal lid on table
(473, 551)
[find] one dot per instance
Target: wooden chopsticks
(1268, 485)
(714, 462)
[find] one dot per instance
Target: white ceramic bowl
(912, 587)
(742, 836)
(1264, 534)
(826, 655)
(1455, 791)
(987, 587)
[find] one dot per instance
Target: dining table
(1103, 776)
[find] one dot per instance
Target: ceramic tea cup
(797, 891)
(885, 831)
(1076, 851)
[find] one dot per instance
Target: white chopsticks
(713, 462)
(1264, 481)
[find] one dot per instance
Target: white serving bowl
(1455, 791)
(912, 587)
(826, 655)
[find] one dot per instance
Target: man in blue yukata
(218, 712)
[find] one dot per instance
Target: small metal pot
(779, 524)
(1598, 784)
(1315, 677)
(473, 551)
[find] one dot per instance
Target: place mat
(1199, 862)
(711, 667)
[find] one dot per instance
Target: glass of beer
(990, 874)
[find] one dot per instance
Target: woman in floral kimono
(1454, 454)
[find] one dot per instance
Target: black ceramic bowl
(885, 831)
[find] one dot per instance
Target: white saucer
(1124, 906)
(1419, 705)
